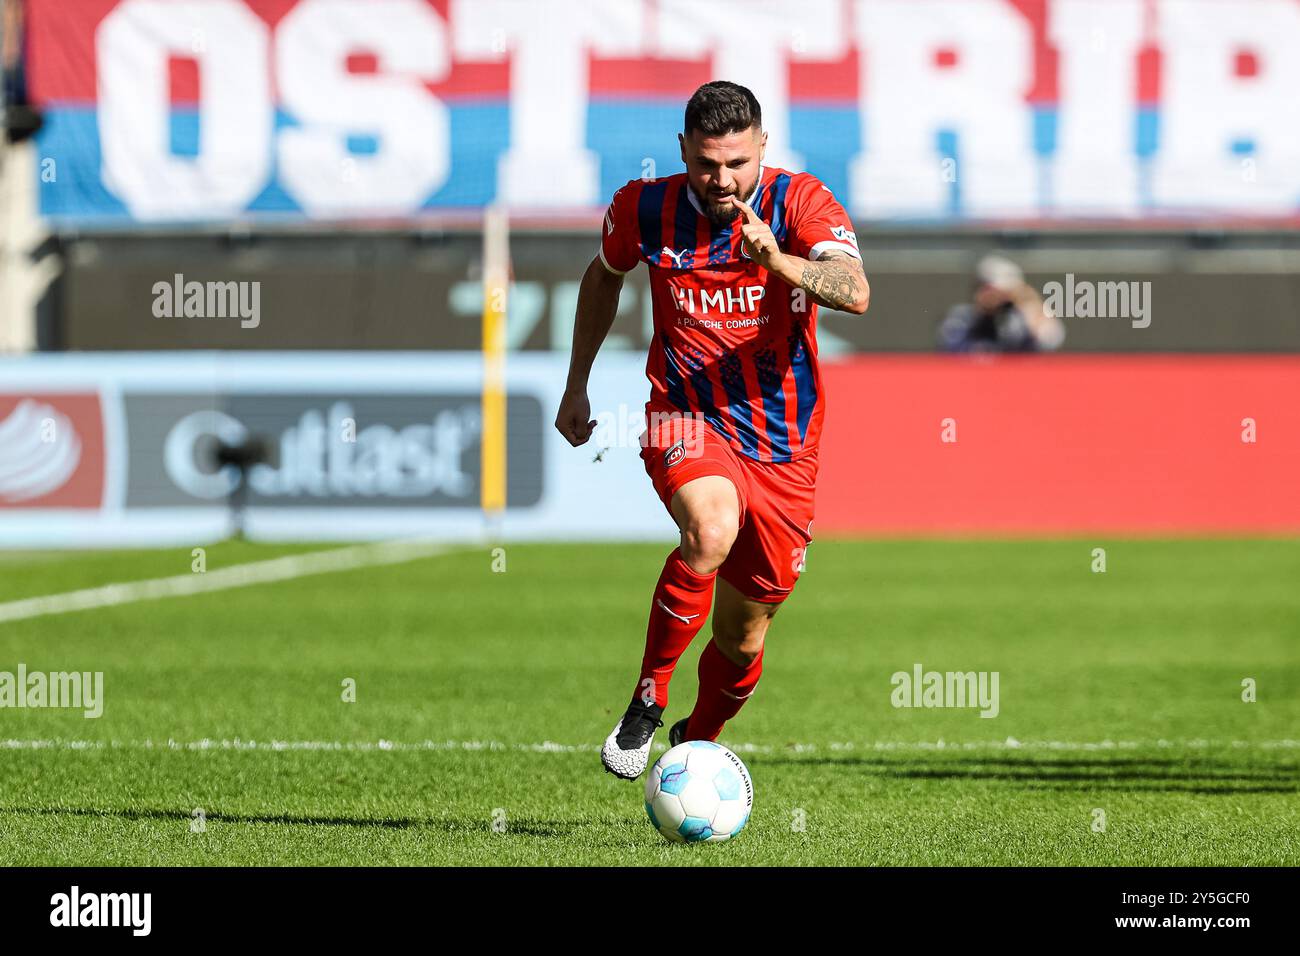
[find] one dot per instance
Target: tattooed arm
(836, 280)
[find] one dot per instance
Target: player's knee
(707, 540)
(742, 645)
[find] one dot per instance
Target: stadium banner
(213, 110)
(118, 449)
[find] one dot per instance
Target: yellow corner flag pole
(496, 284)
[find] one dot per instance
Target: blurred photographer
(1006, 314)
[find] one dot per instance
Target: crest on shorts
(676, 453)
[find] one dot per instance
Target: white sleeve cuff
(824, 247)
(605, 262)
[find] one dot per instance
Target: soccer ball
(698, 791)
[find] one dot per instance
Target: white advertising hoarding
(103, 450)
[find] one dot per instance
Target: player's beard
(722, 213)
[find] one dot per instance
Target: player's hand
(574, 420)
(757, 238)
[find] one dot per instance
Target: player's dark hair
(719, 108)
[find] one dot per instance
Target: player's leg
(707, 512)
(701, 488)
(731, 663)
(759, 574)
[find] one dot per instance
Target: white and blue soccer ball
(699, 791)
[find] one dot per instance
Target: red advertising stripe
(826, 81)
(51, 450)
(61, 61)
(1044, 88)
(1061, 444)
(61, 48)
(647, 77)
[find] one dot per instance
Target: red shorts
(776, 502)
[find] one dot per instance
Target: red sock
(724, 688)
(680, 593)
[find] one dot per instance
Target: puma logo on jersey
(677, 257)
(684, 618)
(843, 234)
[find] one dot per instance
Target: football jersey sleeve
(818, 223)
(619, 233)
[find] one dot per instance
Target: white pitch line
(551, 747)
(238, 576)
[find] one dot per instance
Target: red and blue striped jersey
(732, 343)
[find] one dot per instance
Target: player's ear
(762, 146)
(681, 141)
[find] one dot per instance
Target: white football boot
(627, 748)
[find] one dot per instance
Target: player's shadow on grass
(535, 828)
(1083, 773)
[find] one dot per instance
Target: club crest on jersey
(678, 257)
(676, 453)
(844, 234)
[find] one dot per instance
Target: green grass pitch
(484, 696)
